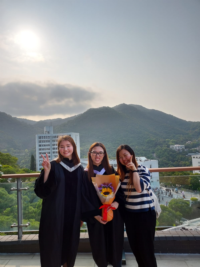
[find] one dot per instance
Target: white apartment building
(47, 143)
(177, 147)
(196, 162)
(155, 182)
(151, 164)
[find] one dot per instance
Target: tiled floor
(85, 260)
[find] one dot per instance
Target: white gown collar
(68, 168)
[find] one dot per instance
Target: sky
(60, 58)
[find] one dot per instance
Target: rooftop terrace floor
(85, 260)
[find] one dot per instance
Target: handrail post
(19, 208)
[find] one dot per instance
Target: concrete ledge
(165, 242)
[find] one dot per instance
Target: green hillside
(105, 125)
(131, 125)
(15, 134)
(150, 132)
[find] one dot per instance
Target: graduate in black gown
(106, 238)
(60, 187)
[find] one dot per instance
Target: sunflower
(106, 191)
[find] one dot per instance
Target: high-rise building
(47, 143)
(196, 162)
(150, 164)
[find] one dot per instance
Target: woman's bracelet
(135, 171)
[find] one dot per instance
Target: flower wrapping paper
(97, 182)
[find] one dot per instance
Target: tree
(6, 200)
(6, 222)
(182, 206)
(194, 183)
(32, 164)
(7, 159)
(168, 217)
(7, 169)
(194, 199)
(177, 178)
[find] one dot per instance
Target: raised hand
(46, 163)
(130, 165)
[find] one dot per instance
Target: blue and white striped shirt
(139, 202)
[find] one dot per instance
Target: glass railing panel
(8, 206)
(179, 197)
(31, 205)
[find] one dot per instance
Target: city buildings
(196, 162)
(150, 164)
(177, 147)
(47, 143)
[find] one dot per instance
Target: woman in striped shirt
(139, 211)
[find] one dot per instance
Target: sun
(27, 40)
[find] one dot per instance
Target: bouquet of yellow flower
(106, 187)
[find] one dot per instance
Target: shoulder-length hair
(105, 161)
(75, 156)
(121, 169)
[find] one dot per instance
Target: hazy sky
(59, 58)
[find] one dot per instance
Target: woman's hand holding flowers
(114, 205)
(100, 219)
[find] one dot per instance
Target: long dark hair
(75, 156)
(121, 169)
(105, 161)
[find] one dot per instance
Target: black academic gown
(106, 240)
(60, 216)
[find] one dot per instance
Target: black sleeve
(42, 189)
(88, 210)
(120, 197)
(114, 171)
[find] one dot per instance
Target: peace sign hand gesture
(130, 165)
(46, 164)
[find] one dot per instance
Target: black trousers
(140, 228)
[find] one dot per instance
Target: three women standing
(66, 192)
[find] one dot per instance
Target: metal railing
(19, 190)
(19, 208)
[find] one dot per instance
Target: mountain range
(130, 124)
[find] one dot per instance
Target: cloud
(31, 99)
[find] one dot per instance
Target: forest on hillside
(149, 132)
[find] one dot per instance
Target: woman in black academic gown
(106, 238)
(60, 186)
